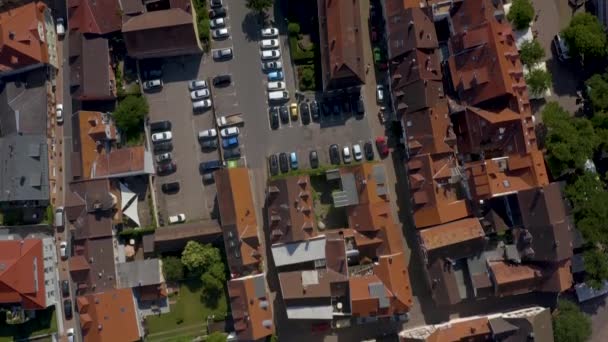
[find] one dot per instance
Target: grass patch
(298, 55)
(203, 25)
(135, 139)
(189, 309)
(325, 211)
(49, 215)
(45, 322)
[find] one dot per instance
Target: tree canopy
(198, 257)
(597, 90)
(130, 112)
(173, 268)
(585, 36)
(521, 14)
(596, 267)
(259, 5)
(570, 141)
(538, 81)
(570, 324)
(531, 52)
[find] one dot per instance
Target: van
(59, 218)
(278, 96)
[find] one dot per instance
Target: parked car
(274, 117)
(222, 54)
(153, 84)
(59, 113)
(162, 136)
(278, 95)
(230, 142)
(334, 154)
(284, 114)
(199, 94)
(222, 80)
(207, 134)
(369, 150)
(380, 94)
(269, 44)
(271, 54)
(208, 178)
(201, 105)
(169, 188)
(272, 65)
(229, 132)
(163, 157)
(65, 288)
(217, 13)
(270, 32)
(357, 152)
(217, 23)
(293, 110)
(275, 76)
(561, 49)
(165, 146)
(283, 162)
(314, 159)
(234, 153)
(358, 105)
(166, 168)
(63, 250)
(278, 85)
(209, 144)
(382, 146)
(216, 3)
(210, 166)
(197, 84)
(60, 27)
(70, 334)
(293, 160)
(160, 126)
(220, 33)
(179, 218)
(273, 164)
(67, 309)
(346, 156)
(314, 110)
(305, 112)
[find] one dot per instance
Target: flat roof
(299, 252)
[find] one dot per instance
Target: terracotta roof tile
(21, 269)
(408, 28)
(286, 222)
(429, 130)
(451, 233)
(94, 16)
(251, 309)
(515, 279)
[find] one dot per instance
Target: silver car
(220, 33)
(199, 94)
(222, 53)
(197, 84)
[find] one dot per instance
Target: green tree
(521, 14)
(570, 324)
(198, 257)
(584, 188)
(597, 90)
(569, 141)
(212, 286)
(531, 52)
(307, 78)
(216, 337)
(596, 267)
(585, 36)
(129, 115)
(600, 125)
(538, 81)
(293, 29)
(173, 269)
(259, 6)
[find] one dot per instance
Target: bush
(136, 233)
(293, 29)
(531, 52)
(173, 269)
(298, 55)
(570, 324)
(203, 22)
(538, 81)
(306, 75)
(129, 115)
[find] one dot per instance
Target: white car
(207, 134)
(163, 157)
(179, 218)
(59, 113)
(229, 132)
(153, 84)
(357, 153)
(197, 84)
(202, 104)
(63, 249)
(346, 155)
(70, 334)
(217, 23)
(269, 44)
(162, 136)
(272, 65)
(270, 32)
(220, 33)
(271, 54)
(60, 27)
(272, 86)
(380, 94)
(199, 94)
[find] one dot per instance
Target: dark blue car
(231, 142)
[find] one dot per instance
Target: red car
(320, 327)
(382, 146)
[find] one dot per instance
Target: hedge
(299, 56)
(133, 233)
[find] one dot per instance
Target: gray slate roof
(24, 174)
(138, 273)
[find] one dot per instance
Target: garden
(44, 323)
(303, 32)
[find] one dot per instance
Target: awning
(131, 212)
(126, 196)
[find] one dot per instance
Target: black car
(210, 166)
(305, 112)
(160, 126)
(358, 105)
(234, 153)
(65, 288)
(314, 159)
(217, 13)
(210, 144)
(216, 3)
(334, 154)
(283, 162)
(284, 113)
(170, 188)
(222, 80)
(314, 110)
(368, 149)
(67, 309)
(273, 165)
(166, 168)
(325, 105)
(161, 147)
(274, 117)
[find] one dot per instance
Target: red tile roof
(22, 37)
(429, 130)
(251, 309)
(451, 233)
(511, 279)
(408, 28)
(94, 16)
(286, 222)
(22, 278)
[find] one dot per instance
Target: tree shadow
(251, 26)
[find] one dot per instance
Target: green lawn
(190, 309)
(44, 323)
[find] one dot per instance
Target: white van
(278, 96)
(59, 218)
(272, 86)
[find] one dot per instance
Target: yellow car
(293, 109)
